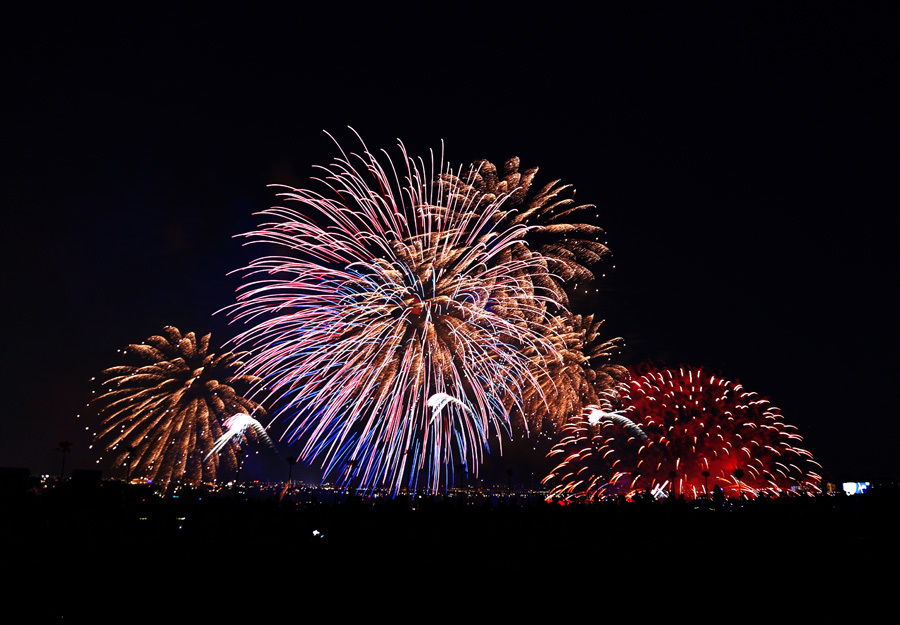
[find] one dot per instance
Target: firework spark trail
(683, 425)
(393, 292)
(567, 250)
(160, 418)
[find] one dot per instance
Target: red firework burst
(684, 431)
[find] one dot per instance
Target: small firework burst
(162, 416)
(395, 324)
(684, 431)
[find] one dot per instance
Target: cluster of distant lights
(855, 488)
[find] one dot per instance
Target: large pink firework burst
(394, 323)
(683, 431)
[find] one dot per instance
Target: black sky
(742, 160)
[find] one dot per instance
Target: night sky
(743, 162)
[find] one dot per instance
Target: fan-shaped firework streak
(597, 415)
(162, 418)
(679, 424)
(237, 428)
(438, 401)
(393, 292)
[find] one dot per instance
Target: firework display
(684, 431)
(405, 319)
(161, 418)
(395, 329)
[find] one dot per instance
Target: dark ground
(104, 551)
